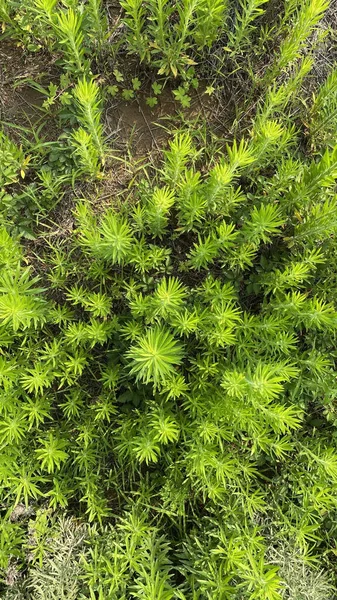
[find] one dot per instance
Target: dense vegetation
(168, 416)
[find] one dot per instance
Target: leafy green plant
(88, 102)
(197, 24)
(97, 20)
(182, 97)
(154, 356)
(14, 163)
(243, 28)
(323, 111)
(306, 18)
(168, 323)
(69, 29)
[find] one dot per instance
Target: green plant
(86, 152)
(14, 163)
(70, 35)
(306, 18)
(301, 579)
(88, 102)
(168, 323)
(154, 356)
(182, 97)
(243, 28)
(197, 24)
(57, 575)
(97, 23)
(323, 112)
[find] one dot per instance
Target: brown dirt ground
(19, 103)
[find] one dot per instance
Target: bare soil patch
(19, 104)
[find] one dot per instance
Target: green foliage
(168, 325)
(86, 152)
(323, 113)
(69, 31)
(97, 23)
(205, 382)
(154, 356)
(304, 20)
(167, 34)
(87, 98)
(13, 161)
(243, 29)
